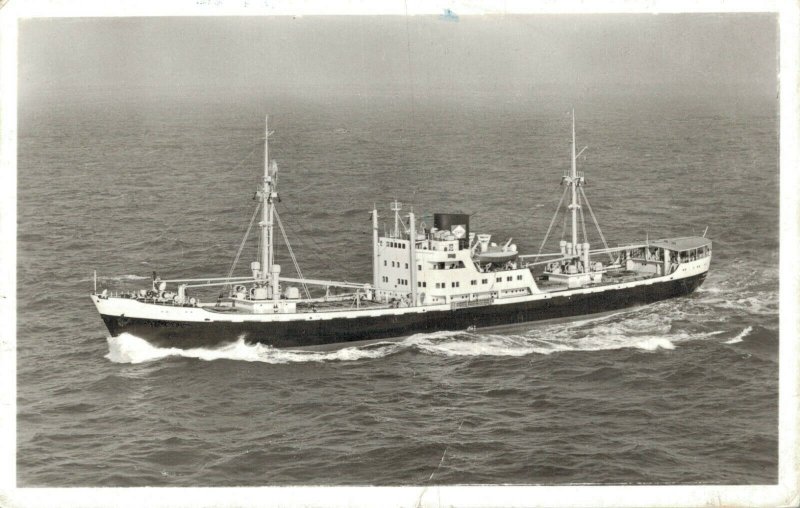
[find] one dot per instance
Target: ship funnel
(455, 223)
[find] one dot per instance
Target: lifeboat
(496, 254)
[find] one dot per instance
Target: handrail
(224, 280)
(209, 279)
(331, 283)
(471, 303)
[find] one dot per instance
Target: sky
(685, 53)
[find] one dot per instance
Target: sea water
(681, 391)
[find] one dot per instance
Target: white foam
(741, 288)
(654, 343)
(739, 338)
(472, 344)
(127, 348)
(548, 339)
(608, 340)
(115, 278)
(763, 303)
(124, 277)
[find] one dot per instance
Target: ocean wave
(739, 338)
(115, 278)
(762, 303)
(123, 277)
(477, 344)
(710, 289)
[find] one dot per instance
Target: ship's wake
(743, 290)
(630, 330)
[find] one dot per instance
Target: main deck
(542, 282)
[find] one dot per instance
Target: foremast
(574, 180)
(267, 271)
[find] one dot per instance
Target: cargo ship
(425, 278)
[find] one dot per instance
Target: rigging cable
(552, 221)
(325, 262)
(244, 240)
(166, 229)
(583, 225)
(603, 238)
(291, 254)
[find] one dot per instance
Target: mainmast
(574, 184)
(269, 271)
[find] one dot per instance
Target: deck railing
(471, 303)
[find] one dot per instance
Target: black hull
(341, 330)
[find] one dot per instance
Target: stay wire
(324, 262)
(552, 221)
(291, 254)
(597, 225)
(583, 226)
(244, 241)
